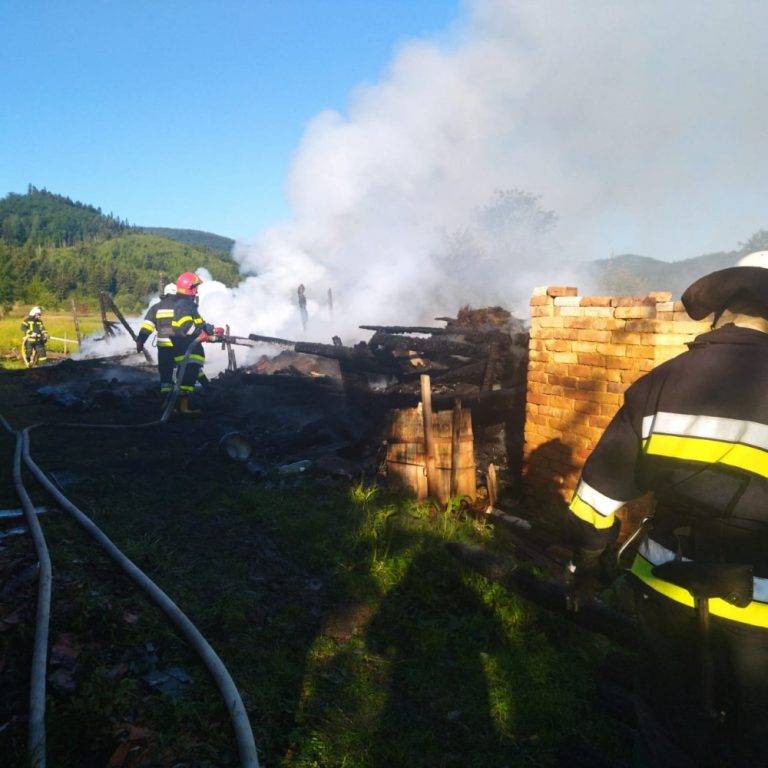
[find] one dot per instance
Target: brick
(612, 374)
(585, 406)
(567, 301)
(672, 339)
(631, 301)
(562, 290)
(547, 311)
(623, 363)
(616, 388)
(552, 322)
(537, 377)
(557, 345)
(597, 311)
(642, 351)
(667, 353)
(612, 349)
(682, 315)
(580, 371)
(660, 296)
(564, 357)
(665, 306)
(625, 337)
(537, 399)
(595, 301)
(607, 398)
(591, 359)
(540, 301)
(665, 315)
(568, 382)
(634, 312)
(642, 326)
(678, 306)
(570, 311)
(541, 357)
(608, 409)
(584, 346)
(540, 290)
(601, 422)
(551, 389)
(537, 345)
(629, 377)
(591, 385)
(682, 326)
(591, 335)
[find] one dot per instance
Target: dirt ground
(355, 639)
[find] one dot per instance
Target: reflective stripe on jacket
(176, 321)
(694, 432)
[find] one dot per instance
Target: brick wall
(584, 352)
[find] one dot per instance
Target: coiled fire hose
(216, 668)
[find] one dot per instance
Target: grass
(355, 638)
(57, 325)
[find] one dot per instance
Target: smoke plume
(640, 124)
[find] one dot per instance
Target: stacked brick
(584, 352)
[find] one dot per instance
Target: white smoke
(641, 124)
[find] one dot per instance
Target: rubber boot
(184, 406)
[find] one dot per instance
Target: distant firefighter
(177, 322)
(35, 337)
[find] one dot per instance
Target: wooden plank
(455, 447)
(429, 439)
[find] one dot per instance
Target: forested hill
(194, 237)
(632, 275)
(43, 218)
(53, 248)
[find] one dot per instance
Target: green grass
(443, 668)
(57, 325)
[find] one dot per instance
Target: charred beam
(426, 346)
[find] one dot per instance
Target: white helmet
(35, 311)
(756, 259)
(169, 290)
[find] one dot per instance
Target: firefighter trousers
(165, 366)
(34, 347)
(193, 369)
(671, 732)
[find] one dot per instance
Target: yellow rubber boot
(184, 406)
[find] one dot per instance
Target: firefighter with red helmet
(178, 324)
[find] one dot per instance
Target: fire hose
(216, 668)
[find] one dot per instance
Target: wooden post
(433, 484)
(455, 446)
(108, 329)
(493, 487)
(119, 315)
(489, 379)
(76, 318)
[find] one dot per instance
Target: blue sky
(184, 113)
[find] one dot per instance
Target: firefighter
(694, 433)
(35, 338)
(178, 324)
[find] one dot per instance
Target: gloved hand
(203, 337)
(218, 331)
(45, 336)
(583, 577)
(139, 346)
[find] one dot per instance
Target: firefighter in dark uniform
(177, 322)
(35, 338)
(694, 432)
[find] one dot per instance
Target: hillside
(633, 275)
(52, 248)
(194, 237)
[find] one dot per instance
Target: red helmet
(187, 283)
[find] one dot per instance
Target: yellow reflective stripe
(186, 388)
(178, 323)
(192, 358)
(198, 321)
(164, 343)
(148, 325)
(164, 313)
(745, 457)
(588, 514)
(755, 613)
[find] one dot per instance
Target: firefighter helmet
(169, 290)
(713, 292)
(187, 283)
(35, 311)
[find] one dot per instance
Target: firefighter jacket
(694, 432)
(176, 321)
(34, 330)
